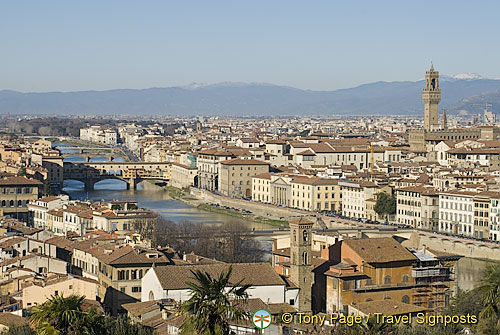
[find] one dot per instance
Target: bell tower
(431, 96)
(300, 267)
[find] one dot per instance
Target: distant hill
(379, 98)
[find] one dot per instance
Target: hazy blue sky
(79, 45)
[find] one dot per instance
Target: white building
(169, 281)
(456, 212)
(40, 207)
(354, 196)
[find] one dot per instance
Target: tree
(385, 205)
(46, 188)
(64, 316)
(18, 330)
(490, 294)
(213, 304)
(60, 316)
(21, 172)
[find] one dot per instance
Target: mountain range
(460, 92)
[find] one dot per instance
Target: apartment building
(354, 197)
(494, 216)
(120, 270)
(236, 176)
(99, 134)
(38, 291)
(456, 212)
(481, 215)
(315, 194)
(418, 207)
(208, 167)
(40, 207)
(15, 194)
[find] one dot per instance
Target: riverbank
(193, 201)
(246, 216)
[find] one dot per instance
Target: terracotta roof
(379, 250)
(139, 308)
(8, 319)
(265, 175)
(19, 181)
(129, 255)
(174, 277)
(239, 161)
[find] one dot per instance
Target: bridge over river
(130, 172)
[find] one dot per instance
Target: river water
(468, 272)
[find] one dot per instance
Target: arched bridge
(90, 152)
(131, 172)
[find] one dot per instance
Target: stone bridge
(90, 152)
(130, 172)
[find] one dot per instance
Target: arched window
(406, 278)
(19, 203)
(11, 203)
(305, 236)
(294, 236)
(304, 258)
(387, 280)
(405, 299)
(151, 296)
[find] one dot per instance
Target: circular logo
(262, 319)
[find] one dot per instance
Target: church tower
(300, 267)
(431, 96)
(444, 121)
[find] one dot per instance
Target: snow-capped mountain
(462, 76)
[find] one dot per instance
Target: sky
(62, 45)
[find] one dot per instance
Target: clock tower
(431, 96)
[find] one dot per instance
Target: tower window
(304, 258)
(305, 235)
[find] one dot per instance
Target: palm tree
(490, 291)
(59, 315)
(213, 304)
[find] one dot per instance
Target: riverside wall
(463, 247)
(257, 208)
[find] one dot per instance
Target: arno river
(468, 270)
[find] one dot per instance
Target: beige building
(39, 291)
(315, 194)
(418, 207)
(15, 194)
(236, 176)
(183, 176)
(120, 271)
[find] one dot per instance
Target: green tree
(213, 304)
(47, 189)
(385, 205)
(18, 330)
(489, 291)
(60, 316)
(22, 172)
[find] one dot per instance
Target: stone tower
(431, 96)
(444, 121)
(300, 267)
